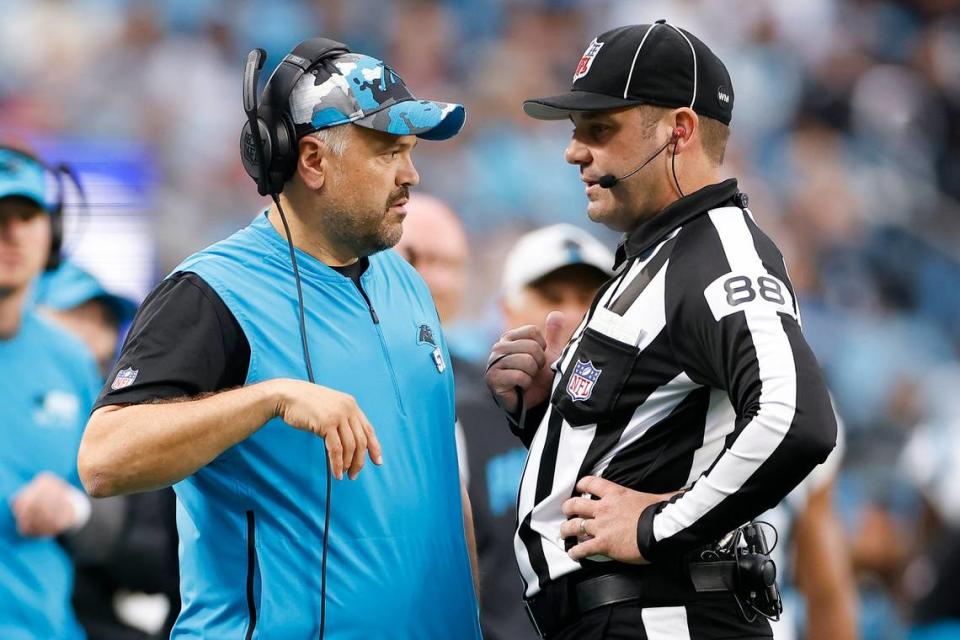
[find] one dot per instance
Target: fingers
(27, 513)
(596, 486)
(505, 380)
(21, 514)
(335, 453)
(587, 548)
(526, 332)
(355, 437)
(527, 362)
(583, 507)
(576, 528)
(373, 443)
(349, 443)
(359, 452)
(554, 341)
(523, 345)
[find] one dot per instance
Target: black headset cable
(326, 458)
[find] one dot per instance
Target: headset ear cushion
(285, 154)
(249, 155)
(56, 238)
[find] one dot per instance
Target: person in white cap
(556, 267)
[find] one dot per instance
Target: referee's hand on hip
(522, 358)
(334, 416)
(604, 519)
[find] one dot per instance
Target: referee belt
(564, 600)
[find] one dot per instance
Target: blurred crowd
(846, 135)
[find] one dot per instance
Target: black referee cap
(657, 64)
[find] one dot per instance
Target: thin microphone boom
(608, 181)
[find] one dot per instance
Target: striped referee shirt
(689, 372)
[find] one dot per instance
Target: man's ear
(313, 163)
(686, 119)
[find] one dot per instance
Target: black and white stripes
(719, 395)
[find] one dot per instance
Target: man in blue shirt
(49, 383)
(208, 393)
(134, 537)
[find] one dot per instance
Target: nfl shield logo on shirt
(125, 378)
(581, 383)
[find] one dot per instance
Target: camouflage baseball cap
(363, 90)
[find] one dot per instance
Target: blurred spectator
(77, 300)
(50, 384)
(142, 558)
(555, 268)
(931, 462)
(434, 242)
(814, 569)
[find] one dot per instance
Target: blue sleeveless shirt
(49, 383)
(251, 521)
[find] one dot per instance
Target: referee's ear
(313, 162)
(685, 121)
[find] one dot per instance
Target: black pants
(711, 617)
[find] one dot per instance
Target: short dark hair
(714, 135)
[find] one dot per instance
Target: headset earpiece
(56, 237)
(678, 134)
(56, 218)
(268, 141)
(286, 152)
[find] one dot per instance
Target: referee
(687, 401)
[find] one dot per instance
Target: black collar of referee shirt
(651, 232)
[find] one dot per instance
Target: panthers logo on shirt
(425, 335)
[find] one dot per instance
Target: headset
(57, 171)
(268, 142)
(269, 152)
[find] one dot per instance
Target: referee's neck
(695, 177)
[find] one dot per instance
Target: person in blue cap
(79, 302)
(136, 553)
(209, 392)
(49, 383)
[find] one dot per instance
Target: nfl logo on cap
(125, 378)
(587, 60)
(581, 383)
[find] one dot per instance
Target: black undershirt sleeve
(184, 341)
